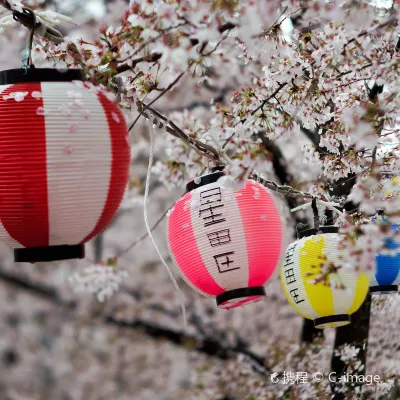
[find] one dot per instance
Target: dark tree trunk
(355, 334)
(309, 333)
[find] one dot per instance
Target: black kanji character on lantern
(224, 263)
(219, 237)
(289, 274)
(289, 255)
(211, 218)
(295, 296)
(210, 196)
(207, 197)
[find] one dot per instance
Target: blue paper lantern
(387, 275)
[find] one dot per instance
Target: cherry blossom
(303, 97)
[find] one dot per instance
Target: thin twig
(144, 236)
(282, 85)
(128, 66)
(169, 87)
(369, 31)
(265, 101)
(270, 28)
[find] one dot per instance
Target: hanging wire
(146, 221)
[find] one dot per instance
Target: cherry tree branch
(168, 88)
(144, 236)
(214, 155)
(201, 148)
(128, 66)
(281, 86)
(205, 344)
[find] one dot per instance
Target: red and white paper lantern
(226, 243)
(64, 162)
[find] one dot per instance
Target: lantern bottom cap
(332, 321)
(383, 289)
(49, 253)
(239, 297)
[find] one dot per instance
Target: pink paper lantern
(226, 243)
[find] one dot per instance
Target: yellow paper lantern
(330, 306)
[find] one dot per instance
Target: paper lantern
(328, 306)
(386, 278)
(226, 243)
(64, 162)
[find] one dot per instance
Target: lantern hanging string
(146, 221)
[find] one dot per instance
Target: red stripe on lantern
(185, 249)
(120, 163)
(23, 178)
(263, 231)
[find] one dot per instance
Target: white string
(146, 221)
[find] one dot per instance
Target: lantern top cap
(322, 230)
(203, 180)
(20, 75)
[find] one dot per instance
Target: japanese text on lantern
(289, 275)
(211, 212)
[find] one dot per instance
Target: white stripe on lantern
(304, 307)
(78, 161)
(342, 299)
(234, 275)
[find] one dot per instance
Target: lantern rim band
(49, 253)
(20, 75)
(321, 230)
(383, 289)
(239, 293)
(204, 180)
(331, 319)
